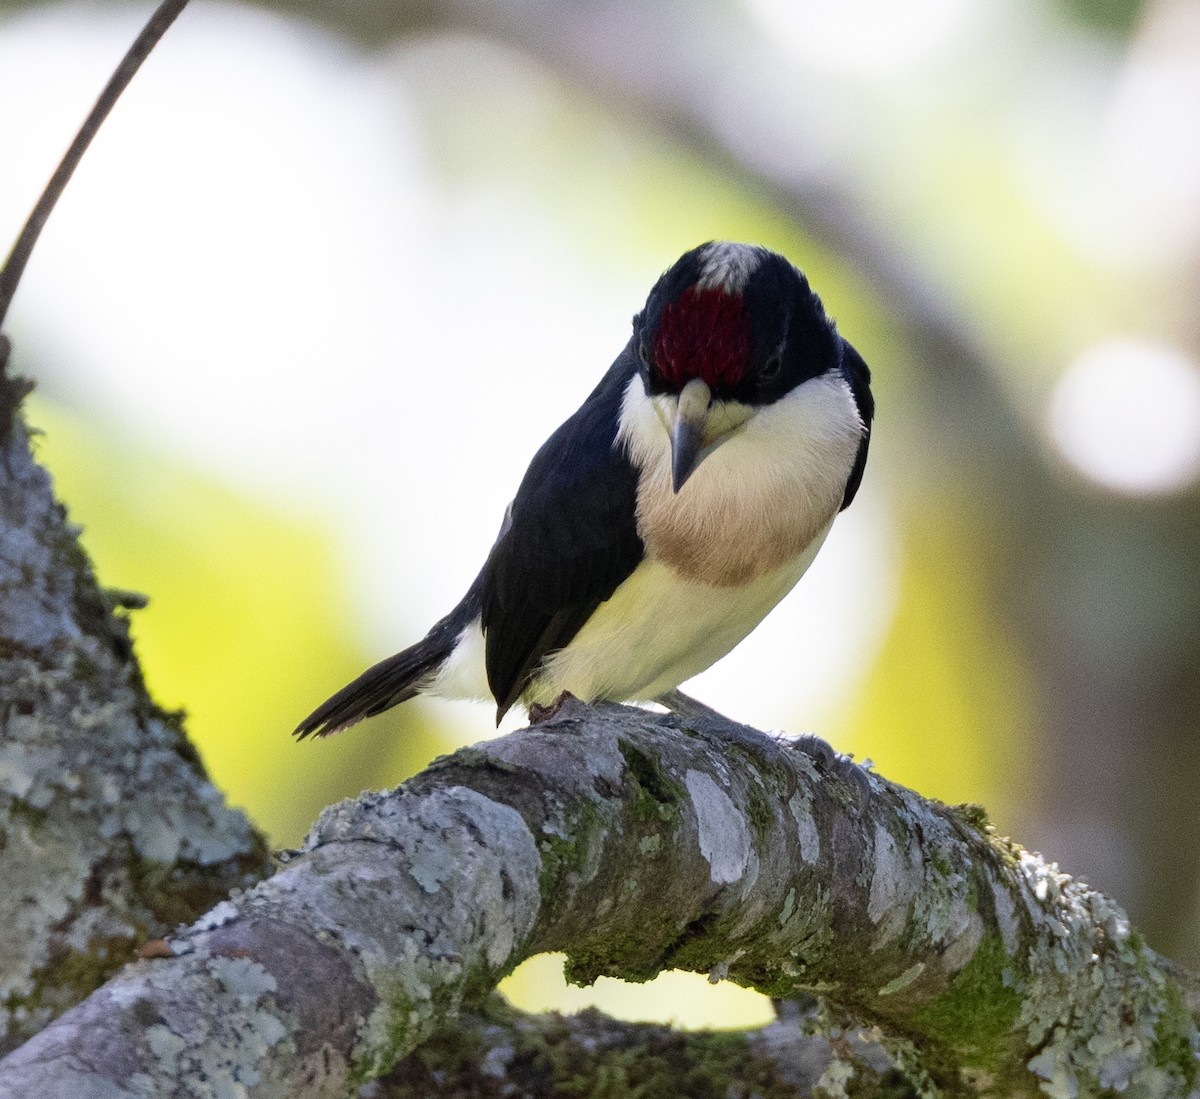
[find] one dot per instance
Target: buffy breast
(763, 494)
(733, 541)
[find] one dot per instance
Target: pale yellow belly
(660, 629)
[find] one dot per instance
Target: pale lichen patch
(164, 1043)
(891, 889)
(962, 946)
(1006, 914)
(1095, 998)
(835, 1080)
(800, 807)
(723, 833)
(19, 767)
(898, 984)
(241, 977)
(789, 905)
(887, 877)
(221, 913)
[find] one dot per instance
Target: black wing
(569, 540)
(858, 375)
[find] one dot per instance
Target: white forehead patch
(728, 266)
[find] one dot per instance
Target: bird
(657, 526)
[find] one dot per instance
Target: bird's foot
(539, 713)
(827, 760)
(707, 720)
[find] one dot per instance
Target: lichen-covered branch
(499, 1050)
(634, 842)
(109, 829)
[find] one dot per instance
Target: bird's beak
(687, 432)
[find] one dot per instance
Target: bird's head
(727, 330)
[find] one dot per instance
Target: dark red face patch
(704, 334)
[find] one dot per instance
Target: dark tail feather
(396, 679)
(379, 688)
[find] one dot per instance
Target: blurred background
(333, 270)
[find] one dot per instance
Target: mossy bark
(593, 1057)
(110, 832)
(637, 842)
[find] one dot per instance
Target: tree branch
(481, 1053)
(109, 829)
(635, 842)
(14, 266)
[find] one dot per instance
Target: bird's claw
(539, 713)
(827, 760)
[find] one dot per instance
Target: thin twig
(14, 266)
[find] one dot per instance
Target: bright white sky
(255, 268)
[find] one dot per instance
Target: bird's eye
(644, 354)
(771, 368)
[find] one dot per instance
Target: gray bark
(110, 832)
(636, 842)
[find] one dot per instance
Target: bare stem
(14, 266)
